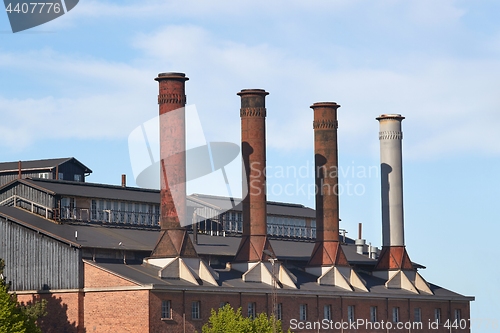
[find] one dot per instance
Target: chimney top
(252, 92)
(171, 76)
(324, 104)
(390, 116)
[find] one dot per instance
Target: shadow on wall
(56, 320)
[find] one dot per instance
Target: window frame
(303, 312)
(196, 310)
(351, 313)
(166, 310)
(373, 314)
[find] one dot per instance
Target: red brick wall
(97, 278)
(64, 311)
(117, 311)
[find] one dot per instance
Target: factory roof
(40, 164)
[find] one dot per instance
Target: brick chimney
(253, 147)
(174, 240)
(393, 255)
(327, 250)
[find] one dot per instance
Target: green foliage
(13, 317)
(227, 320)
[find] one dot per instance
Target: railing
(234, 227)
(34, 207)
(110, 216)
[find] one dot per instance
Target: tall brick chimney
(174, 240)
(393, 255)
(254, 246)
(327, 250)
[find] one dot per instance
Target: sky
(80, 84)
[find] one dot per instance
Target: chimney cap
(171, 76)
(390, 116)
(325, 104)
(252, 92)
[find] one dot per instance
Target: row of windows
(166, 312)
(417, 314)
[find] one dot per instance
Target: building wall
(117, 311)
(37, 262)
(95, 277)
(64, 311)
(30, 194)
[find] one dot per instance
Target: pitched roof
(39, 164)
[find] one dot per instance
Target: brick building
(121, 259)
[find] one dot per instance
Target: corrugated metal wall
(8, 177)
(31, 194)
(36, 262)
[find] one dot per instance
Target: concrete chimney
(124, 180)
(327, 250)
(393, 255)
(254, 246)
(174, 240)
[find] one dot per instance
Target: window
(166, 309)
(417, 314)
(350, 313)
(279, 311)
(251, 310)
(222, 304)
(60, 176)
(373, 314)
(93, 210)
(437, 315)
(458, 315)
(44, 175)
(303, 312)
(395, 315)
(327, 312)
(195, 310)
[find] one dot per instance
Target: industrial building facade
(117, 259)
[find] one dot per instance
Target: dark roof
(273, 208)
(92, 190)
(105, 237)
(231, 281)
(108, 237)
(89, 236)
(40, 164)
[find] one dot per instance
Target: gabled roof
(40, 164)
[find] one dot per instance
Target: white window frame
(166, 309)
(303, 312)
(437, 315)
(395, 314)
(417, 314)
(252, 310)
(196, 310)
(373, 314)
(279, 311)
(327, 312)
(351, 317)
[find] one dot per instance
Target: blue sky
(78, 86)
